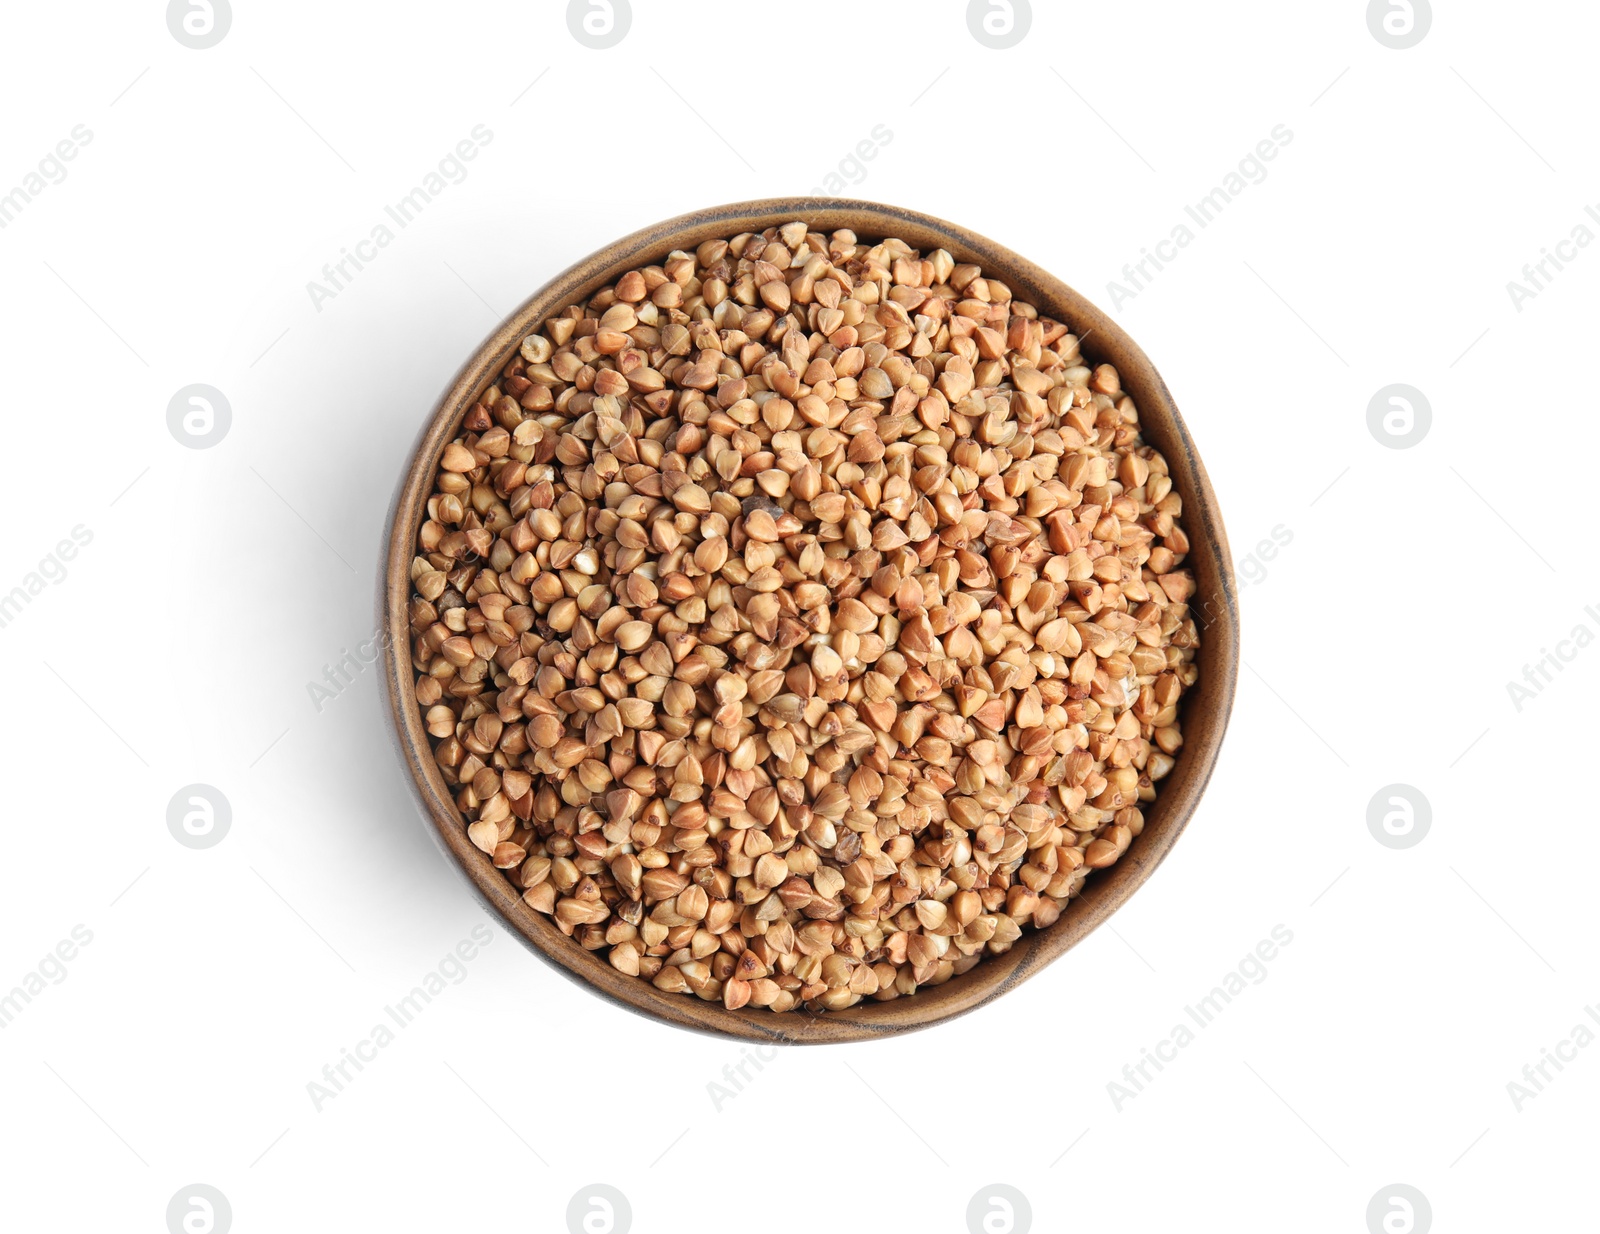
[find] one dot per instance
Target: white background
(178, 648)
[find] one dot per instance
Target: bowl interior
(1205, 708)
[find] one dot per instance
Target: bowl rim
(1206, 710)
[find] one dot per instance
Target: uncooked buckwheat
(801, 618)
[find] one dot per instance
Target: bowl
(1205, 708)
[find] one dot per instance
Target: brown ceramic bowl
(1205, 713)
